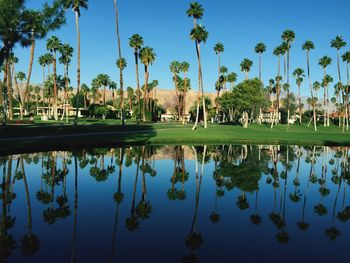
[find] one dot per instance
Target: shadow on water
(25, 139)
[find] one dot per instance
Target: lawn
(94, 133)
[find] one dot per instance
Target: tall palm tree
(288, 36)
(346, 59)
(260, 48)
(175, 68)
(66, 52)
(278, 51)
(147, 57)
(199, 35)
(338, 43)
(219, 48)
(246, 65)
(299, 75)
(196, 11)
(325, 84)
(308, 46)
(324, 62)
(53, 44)
(39, 23)
(136, 42)
(120, 59)
(184, 67)
(121, 65)
(76, 6)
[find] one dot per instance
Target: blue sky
(164, 25)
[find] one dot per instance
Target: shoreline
(31, 138)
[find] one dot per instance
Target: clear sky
(164, 25)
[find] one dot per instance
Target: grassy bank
(93, 133)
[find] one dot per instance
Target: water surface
(220, 203)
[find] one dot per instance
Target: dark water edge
(209, 203)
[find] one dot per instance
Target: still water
(224, 203)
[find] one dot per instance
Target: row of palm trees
(275, 85)
(199, 35)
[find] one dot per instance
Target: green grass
(90, 133)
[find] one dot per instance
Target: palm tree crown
(338, 42)
(219, 48)
(66, 53)
(53, 44)
(288, 36)
(325, 61)
(346, 57)
(147, 56)
(199, 34)
(136, 41)
(196, 10)
(175, 67)
(121, 62)
(260, 48)
(308, 45)
(246, 65)
(76, 5)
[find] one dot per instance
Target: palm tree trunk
(144, 94)
(202, 88)
(260, 54)
(78, 66)
(55, 87)
(31, 59)
(120, 64)
(199, 92)
(184, 100)
(104, 95)
(138, 82)
(177, 96)
(9, 91)
(299, 99)
(310, 85)
(18, 92)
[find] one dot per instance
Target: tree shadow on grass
(21, 139)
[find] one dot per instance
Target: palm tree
(232, 78)
(53, 44)
(175, 68)
(325, 84)
(104, 81)
(219, 48)
(21, 76)
(184, 67)
(308, 46)
(121, 64)
(338, 43)
(246, 65)
(136, 42)
(198, 34)
(66, 56)
(278, 51)
(76, 5)
(85, 90)
(112, 85)
(196, 11)
(324, 62)
(39, 23)
(299, 75)
(346, 59)
(147, 57)
(288, 36)
(120, 59)
(260, 48)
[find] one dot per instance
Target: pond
(214, 203)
